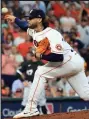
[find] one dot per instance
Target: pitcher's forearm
(22, 24)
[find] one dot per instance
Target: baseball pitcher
(63, 60)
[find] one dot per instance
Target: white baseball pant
(72, 66)
(42, 97)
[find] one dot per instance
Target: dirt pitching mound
(69, 115)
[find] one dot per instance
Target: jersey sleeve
(56, 41)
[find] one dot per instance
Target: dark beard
(33, 26)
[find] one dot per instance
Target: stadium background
(71, 19)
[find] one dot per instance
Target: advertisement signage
(73, 106)
(11, 107)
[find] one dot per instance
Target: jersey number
(29, 72)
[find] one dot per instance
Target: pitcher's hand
(10, 18)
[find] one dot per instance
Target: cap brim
(26, 16)
(30, 17)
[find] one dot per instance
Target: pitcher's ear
(39, 20)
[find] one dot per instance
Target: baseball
(4, 10)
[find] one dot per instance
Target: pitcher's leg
(41, 74)
(35, 91)
(80, 84)
(34, 94)
(38, 85)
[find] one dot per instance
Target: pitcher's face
(33, 23)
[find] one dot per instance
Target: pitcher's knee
(85, 97)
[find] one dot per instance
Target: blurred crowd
(68, 17)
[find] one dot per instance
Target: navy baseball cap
(36, 13)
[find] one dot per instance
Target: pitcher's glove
(42, 48)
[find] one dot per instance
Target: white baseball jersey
(57, 43)
(72, 66)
